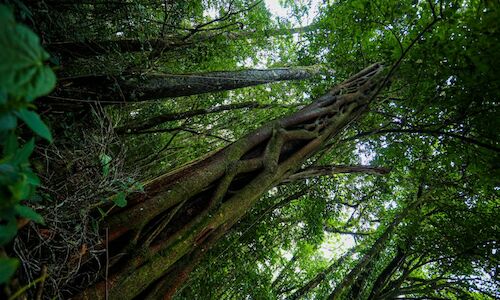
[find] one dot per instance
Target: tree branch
(317, 171)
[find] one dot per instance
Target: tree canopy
(243, 149)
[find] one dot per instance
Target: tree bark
(170, 43)
(386, 274)
(123, 89)
(317, 171)
(182, 212)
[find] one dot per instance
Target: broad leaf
(32, 119)
(8, 267)
(120, 200)
(22, 71)
(105, 160)
(8, 231)
(25, 152)
(11, 145)
(7, 121)
(28, 213)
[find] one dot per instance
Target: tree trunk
(377, 246)
(113, 90)
(183, 212)
(316, 280)
(386, 274)
(170, 43)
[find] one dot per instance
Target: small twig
(28, 286)
(107, 265)
(39, 292)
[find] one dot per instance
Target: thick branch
(349, 279)
(311, 172)
(316, 280)
(160, 119)
(468, 140)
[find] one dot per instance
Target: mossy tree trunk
(158, 238)
(134, 88)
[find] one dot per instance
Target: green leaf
(7, 121)
(119, 199)
(105, 160)
(8, 267)
(34, 122)
(6, 15)
(32, 178)
(8, 231)
(28, 213)
(137, 186)
(11, 145)
(22, 189)
(25, 152)
(22, 71)
(8, 174)
(3, 97)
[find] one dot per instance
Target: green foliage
(434, 127)
(32, 119)
(105, 160)
(22, 73)
(7, 268)
(23, 77)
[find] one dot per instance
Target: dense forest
(249, 149)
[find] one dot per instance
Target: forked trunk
(157, 239)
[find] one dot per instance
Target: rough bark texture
(183, 212)
(134, 88)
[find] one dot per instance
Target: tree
(195, 36)
(220, 188)
(123, 89)
(268, 203)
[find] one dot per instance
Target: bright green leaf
(24, 153)
(28, 213)
(22, 71)
(105, 160)
(34, 122)
(119, 199)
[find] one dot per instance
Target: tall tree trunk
(183, 212)
(316, 280)
(169, 43)
(109, 89)
(384, 277)
(352, 276)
